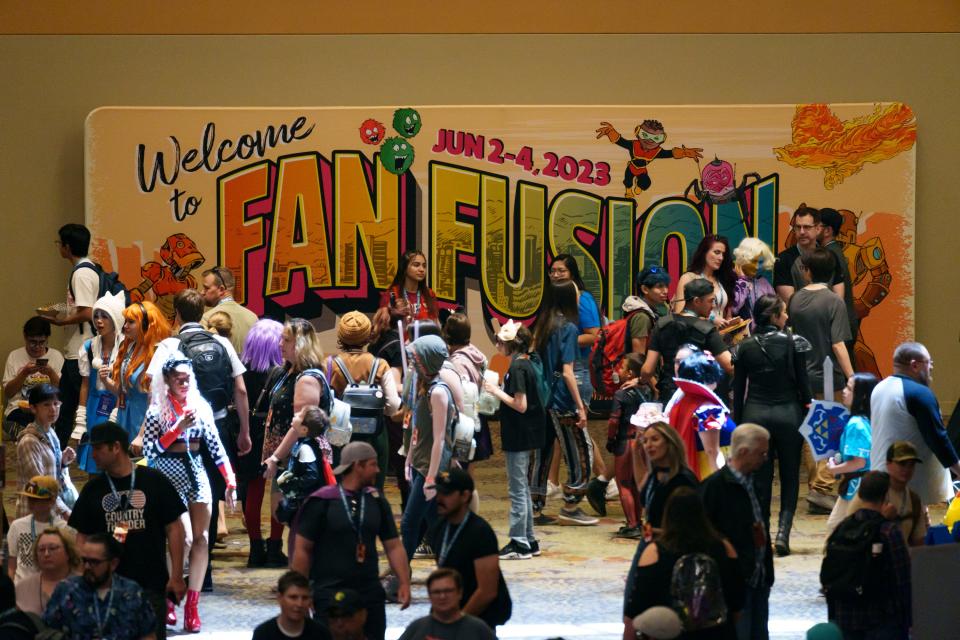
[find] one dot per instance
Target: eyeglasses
(804, 227)
(38, 342)
(93, 562)
(48, 549)
(559, 270)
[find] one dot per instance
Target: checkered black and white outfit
(184, 469)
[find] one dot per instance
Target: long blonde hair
(676, 451)
(144, 345)
(309, 353)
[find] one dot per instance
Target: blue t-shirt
(589, 317)
(855, 443)
(561, 349)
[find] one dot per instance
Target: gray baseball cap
(354, 452)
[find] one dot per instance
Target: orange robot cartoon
(868, 264)
(180, 256)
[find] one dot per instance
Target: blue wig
(700, 367)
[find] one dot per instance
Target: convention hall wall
(54, 81)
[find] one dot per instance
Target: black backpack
(39, 630)
(850, 569)
(211, 365)
(109, 283)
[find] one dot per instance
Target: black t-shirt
(784, 273)
(153, 505)
(466, 628)
(672, 332)
(312, 630)
(324, 521)
(654, 494)
(521, 431)
(476, 540)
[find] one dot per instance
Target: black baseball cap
(344, 602)
(109, 432)
(831, 218)
(454, 480)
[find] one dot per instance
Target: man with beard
(465, 542)
(100, 604)
(903, 407)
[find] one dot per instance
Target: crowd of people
(176, 419)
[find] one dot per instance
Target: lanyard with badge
(96, 611)
(355, 522)
(121, 527)
(446, 545)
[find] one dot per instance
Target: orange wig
(145, 343)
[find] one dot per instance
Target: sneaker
(596, 491)
(629, 533)
(820, 503)
(543, 520)
(613, 491)
(515, 551)
(576, 517)
(553, 490)
(424, 552)
(535, 547)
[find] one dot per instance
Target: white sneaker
(613, 493)
(553, 490)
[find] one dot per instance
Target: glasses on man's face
(92, 562)
(49, 549)
(804, 227)
(36, 342)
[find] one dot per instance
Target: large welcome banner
(311, 208)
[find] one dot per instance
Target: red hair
(145, 343)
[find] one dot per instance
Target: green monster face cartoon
(407, 122)
(396, 155)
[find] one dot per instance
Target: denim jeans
(581, 371)
(418, 510)
(752, 624)
(521, 505)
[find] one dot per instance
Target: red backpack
(612, 343)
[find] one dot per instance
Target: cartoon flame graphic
(822, 141)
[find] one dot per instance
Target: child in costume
(621, 442)
(697, 413)
(309, 466)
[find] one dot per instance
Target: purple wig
(261, 349)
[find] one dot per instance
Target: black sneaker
(424, 552)
(515, 551)
(535, 547)
(629, 533)
(543, 520)
(597, 495)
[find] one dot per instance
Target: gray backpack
(365, 398)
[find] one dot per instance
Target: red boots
(171, 614)
(191, 615)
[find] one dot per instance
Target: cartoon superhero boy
(643, 150)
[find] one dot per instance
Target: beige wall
(52, 82)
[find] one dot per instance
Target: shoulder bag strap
(343, 370)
